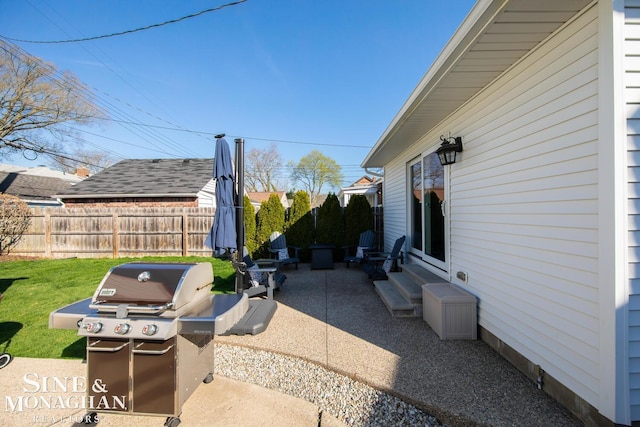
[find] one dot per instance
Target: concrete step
(421, 275)
(407, 287)
(394, 301)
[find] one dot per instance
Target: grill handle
(151, 309)
(157, 352)
(92, 347)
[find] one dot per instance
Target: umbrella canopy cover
(222, 237)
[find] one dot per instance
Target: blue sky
(305, 74)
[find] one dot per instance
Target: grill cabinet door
(108, 374)
(154, 377)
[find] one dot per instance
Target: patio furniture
(450, 311)
(321, 256)
(378, 264)
(365, 244)
(282, 252)
(261, 276)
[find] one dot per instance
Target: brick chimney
(82, 172)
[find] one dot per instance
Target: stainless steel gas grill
(149, 330)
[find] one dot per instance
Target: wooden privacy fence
(116, 232)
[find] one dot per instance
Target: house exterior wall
(632, 114)
(133, 202)
(369, 192)
(395, 201)
(523, 205)
(207, 196)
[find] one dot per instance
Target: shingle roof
(261, 196)
(146, 177)
(32, 187)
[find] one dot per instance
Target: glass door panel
(416, 205)
(434, 224)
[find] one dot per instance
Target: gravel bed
(352, 402)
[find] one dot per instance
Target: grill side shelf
(68, 316)
(224, 311)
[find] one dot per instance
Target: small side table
(321, 256)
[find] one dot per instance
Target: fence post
(115, 239)
(185, 234)
(47, 233)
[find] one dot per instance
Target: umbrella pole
(239, 208)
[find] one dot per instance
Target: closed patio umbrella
(222, 237)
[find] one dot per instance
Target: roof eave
(480, 15)
(128, 195)
(495, 35)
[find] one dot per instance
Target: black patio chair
(378, 264)
(261, 277)
(283, 253)
(365, 244)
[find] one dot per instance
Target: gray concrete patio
(334, 318)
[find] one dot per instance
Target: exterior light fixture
(447, 151)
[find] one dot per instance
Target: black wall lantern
(447, 151)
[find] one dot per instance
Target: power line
(99, 58)
(148, 27)
(201, 132)
(43, 150)
(122, 116)
(299, 142)
(150, 136)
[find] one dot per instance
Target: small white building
(366, 186)
(540, 213)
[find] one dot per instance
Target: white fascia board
(434, 73)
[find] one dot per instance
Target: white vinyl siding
(394, 199)
(207, 196)
(632, 96)
(523, 206)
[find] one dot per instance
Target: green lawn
(33, 289)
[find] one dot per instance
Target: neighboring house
(540, 214)
(37, 186)
(146, 183)
(257, 197)
(371, 188)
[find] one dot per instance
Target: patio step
(407, 287)
(402, 292)
(395, 303)
(421, 275)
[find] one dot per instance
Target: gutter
(381, 175)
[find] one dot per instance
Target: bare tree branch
(15, 218)
(36, 100)
(261, 169)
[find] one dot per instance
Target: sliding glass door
(427, 209)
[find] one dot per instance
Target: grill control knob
(149, 330)
(93, 327)
(121, 328)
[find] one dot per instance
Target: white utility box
(450, 311)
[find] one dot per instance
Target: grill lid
(168, 285)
